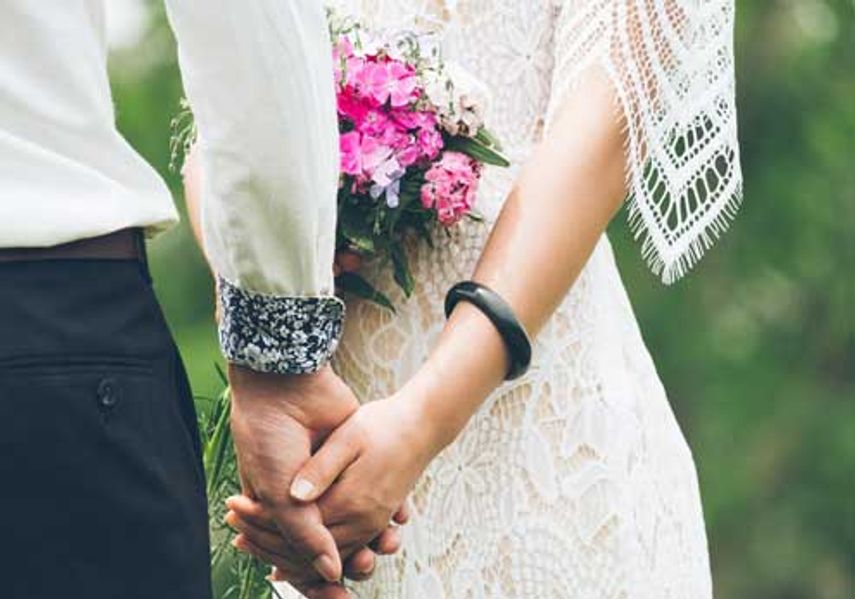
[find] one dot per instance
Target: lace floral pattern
(283, 335)
(574, 480)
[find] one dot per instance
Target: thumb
(317, 475)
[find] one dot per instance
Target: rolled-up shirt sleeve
(259, 78)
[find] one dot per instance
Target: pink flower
(391, 81)
(374, 155)
(426, 128)
(351, 157)
(351, 107)
(410, 153)
(430, 143)
(355, 71)
(451, 187)
(376, 124)
(361, 155)
(414, 119)
(389, 132)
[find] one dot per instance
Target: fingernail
(302, 489)
(326, 568)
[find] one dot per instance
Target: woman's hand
(360, 476)
(276, 421)
(363, 473)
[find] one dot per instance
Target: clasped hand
(343, 498)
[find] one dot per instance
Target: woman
(574, 480)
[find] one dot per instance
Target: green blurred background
(757, 348)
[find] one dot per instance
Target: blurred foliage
(757, 347)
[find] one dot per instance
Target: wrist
(251, 389)
(455, 380)
(424, 434)
(320, 401)
(439, 411)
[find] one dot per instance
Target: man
(103, 492)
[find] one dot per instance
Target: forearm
(257, 76)
(562, 203)
(192, 177)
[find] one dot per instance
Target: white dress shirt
(259, 79)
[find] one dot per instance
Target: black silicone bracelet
(501, 315)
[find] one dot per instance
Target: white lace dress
(574, 481)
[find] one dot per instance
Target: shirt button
(108, 393)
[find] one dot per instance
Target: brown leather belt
(126, 244)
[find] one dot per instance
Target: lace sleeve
(671, 62)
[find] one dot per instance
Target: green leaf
(488, 139)
(424, 232)
(413, 183)
(358, 286)
(360, 238)
(217, 452)
(409, 196)
(477, 150)
(223, 378)
(403, 276)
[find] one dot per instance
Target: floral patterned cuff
(282, 335)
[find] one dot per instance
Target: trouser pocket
(103, 493)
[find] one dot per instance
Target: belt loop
(142, 255)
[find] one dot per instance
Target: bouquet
(413, 145)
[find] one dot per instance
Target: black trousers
(102, 492)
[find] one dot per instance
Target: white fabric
(574, 481)
(258, 76)
(672, 64)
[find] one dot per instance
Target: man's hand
(360, 475)
(276, 421)
(260, 537)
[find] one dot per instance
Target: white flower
(439, 91)
(461, 99)
(372, 45)
(387, 179)
(467, 86)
